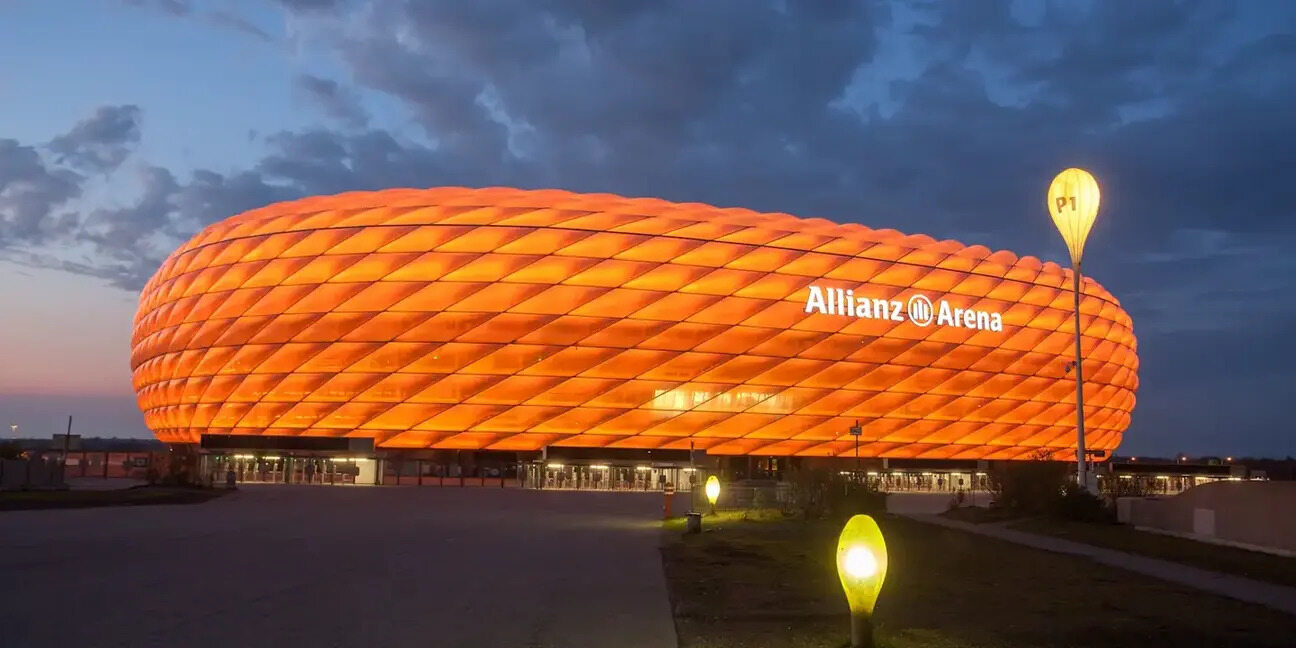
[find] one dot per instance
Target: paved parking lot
(340, 566)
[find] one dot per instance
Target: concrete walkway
(930, 503)
(100, 483)
(1269, 595)
(342, 566)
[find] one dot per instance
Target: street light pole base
(861, 631)
(694, 523)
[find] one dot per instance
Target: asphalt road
(341, 566)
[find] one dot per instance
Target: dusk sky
(126, 127)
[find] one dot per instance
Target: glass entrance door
(308, 470)
(556, 476)
(290, 469)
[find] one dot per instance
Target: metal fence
(750, 496)
(107, 465)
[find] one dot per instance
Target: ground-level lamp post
(861, 566)
(1073, 200)
(693, 481)
(856, 431)
(712, 491)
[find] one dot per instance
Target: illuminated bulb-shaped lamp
(712, 491)
(862, 566)
(1073, 198)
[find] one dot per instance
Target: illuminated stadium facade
(594, 330)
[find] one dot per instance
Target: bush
(1028, 487)
(1076, 503)
(1117, 487)
(10, 450)
(1045, 488)
(806, 501)
(822, 494)
(854, 498)
(182, 466)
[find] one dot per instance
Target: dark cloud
(100, 142)
(121, 230)
(39, 185)
(336, 101)
(210, 196)
(38, 191)
(30, 192)
(222, 18)
(132, 241)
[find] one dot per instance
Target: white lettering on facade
(815, 301)
(920, 310)
(881, 308)
(945, 316)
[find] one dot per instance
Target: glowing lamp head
(712, 489)
(1073, 202)
(861, 563)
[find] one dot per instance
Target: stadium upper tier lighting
(512, 320)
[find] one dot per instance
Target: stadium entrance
(290, 469)
(288, 459)
(560, 476)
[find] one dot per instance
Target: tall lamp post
(1073, 203)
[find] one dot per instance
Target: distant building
(1153, 476)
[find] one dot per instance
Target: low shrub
(1116, 487)
(1028, 487)
(1076, 503)
(10, 450)
(856, 498)
(818, 494)
(182, 467)
(1045, 488)
(807, 497)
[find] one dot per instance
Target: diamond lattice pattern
(511, 320)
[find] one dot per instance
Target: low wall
(18, 474)
(1249, 513)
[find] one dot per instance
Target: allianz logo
(918, 309)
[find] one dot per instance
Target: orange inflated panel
(511, 320)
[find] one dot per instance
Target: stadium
(597, 341)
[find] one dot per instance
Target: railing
(447, 482)
(107, 465)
